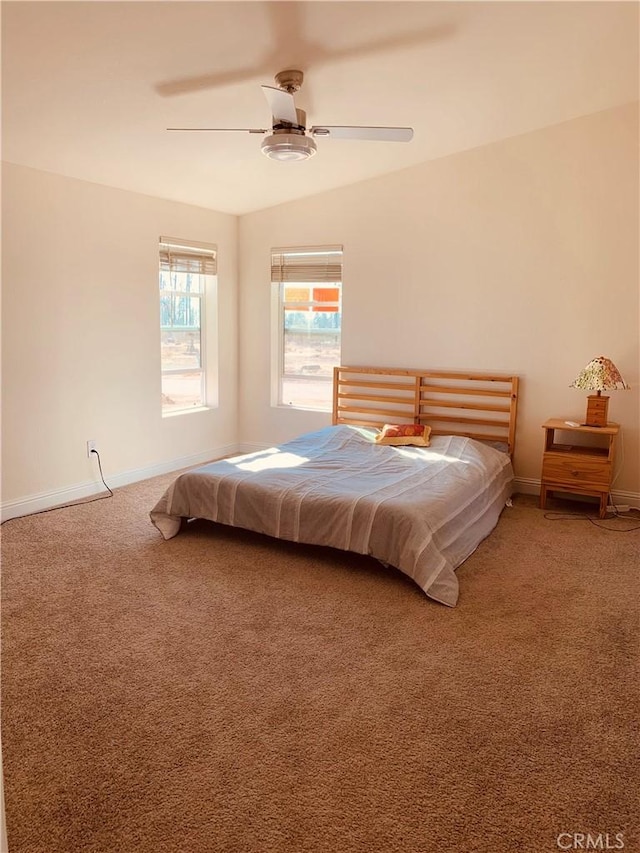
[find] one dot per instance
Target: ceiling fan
(289, 138)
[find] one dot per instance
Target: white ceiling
(89, 87)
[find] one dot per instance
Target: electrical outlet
(91, 446)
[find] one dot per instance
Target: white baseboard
(528, 486)
(70, 494)
(247, 447)
(631, 498)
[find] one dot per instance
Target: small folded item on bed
(398, 435)
(423, 510)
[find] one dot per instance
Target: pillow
(397, 434)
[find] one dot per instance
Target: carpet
(227, 693)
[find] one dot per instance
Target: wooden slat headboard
(478, 405)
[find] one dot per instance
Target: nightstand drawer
(573, 468)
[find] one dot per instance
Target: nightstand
(580, 469)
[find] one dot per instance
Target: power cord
(596, 521)
(108, 488)
(615, 512)
(76, 503)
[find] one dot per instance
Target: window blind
(192, 258)
(321, 265)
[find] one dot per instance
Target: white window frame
(278, 309)
(208, 321)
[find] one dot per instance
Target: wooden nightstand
(578, 468)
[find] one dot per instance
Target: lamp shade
(600, 374)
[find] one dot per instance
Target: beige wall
(520, 256)
(81, 339)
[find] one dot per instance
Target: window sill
(188, 411)
(302, 408)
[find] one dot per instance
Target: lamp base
(597, 407)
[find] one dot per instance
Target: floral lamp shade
(599, 375)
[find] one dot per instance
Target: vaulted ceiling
(89, 88)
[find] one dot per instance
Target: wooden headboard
(478, 405)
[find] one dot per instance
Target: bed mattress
(423, 510)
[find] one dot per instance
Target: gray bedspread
(423, 510)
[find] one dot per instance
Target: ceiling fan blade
(378, 134)
(185, 85)
(282, 104)
(224, 129)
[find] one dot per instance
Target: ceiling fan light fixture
(288, 146)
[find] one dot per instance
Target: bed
(420, 509)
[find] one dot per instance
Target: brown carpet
(226, 692)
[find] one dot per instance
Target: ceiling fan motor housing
(282, 126)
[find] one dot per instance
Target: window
(307, 284)
(187, 272)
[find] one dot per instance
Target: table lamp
(599, 375)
